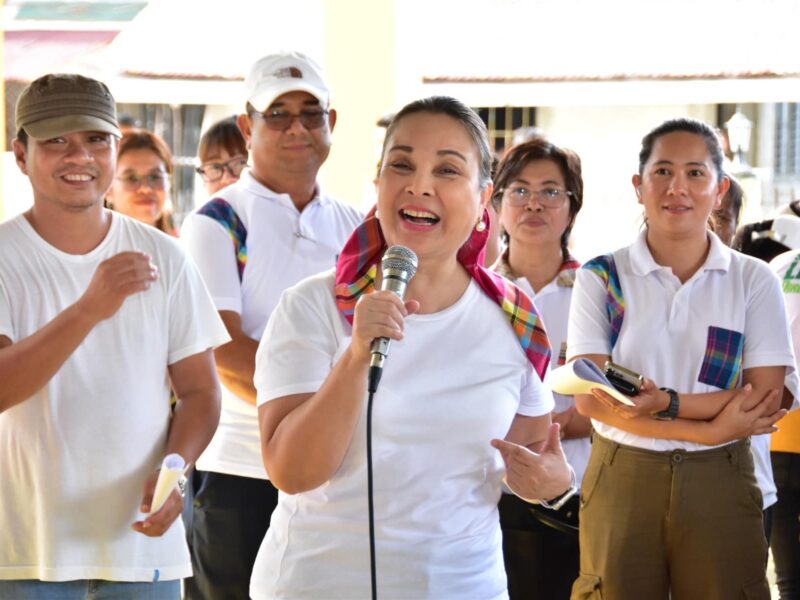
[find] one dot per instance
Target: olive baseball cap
(58, 104)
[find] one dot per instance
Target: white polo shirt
(283, 247)
(552, 302)
(694, 337)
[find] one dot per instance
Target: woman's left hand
(539, 475)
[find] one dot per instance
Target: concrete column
(360, 64)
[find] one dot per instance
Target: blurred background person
(768, 238)
(223, 155)
(785, 539)
(725, 219)
(776, 456)
(538, 192)
(141, 181)
(765, 240)
(128, 123)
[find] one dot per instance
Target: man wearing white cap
(252, 240)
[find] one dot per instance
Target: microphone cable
(370, 504)
(398, 266)
(373, 379)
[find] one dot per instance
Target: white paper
(581, 377)
(171, 471)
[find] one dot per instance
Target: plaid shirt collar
(564, 278)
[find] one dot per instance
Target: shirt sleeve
(766, 338)
(589, 330)
(536, 399)
(299, 344)
(194, 323)
(212, 250)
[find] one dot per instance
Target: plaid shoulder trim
(347, 294)
(523, 316)
(223, 213)
(605, 267)
(566, 275)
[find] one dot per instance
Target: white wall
(16, 195)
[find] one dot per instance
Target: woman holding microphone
(669, 503)
(467, 356)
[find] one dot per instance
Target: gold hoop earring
(480, 226)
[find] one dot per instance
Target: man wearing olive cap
(98, 313)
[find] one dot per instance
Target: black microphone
(397, 268)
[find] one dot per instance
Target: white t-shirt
(454, 382)
(694, 337)
(553, 302)
(283, 247)
(74, 457)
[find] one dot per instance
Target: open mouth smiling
(419, 217)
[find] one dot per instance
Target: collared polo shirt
(695, 337)
(552, 301)
(283, 246)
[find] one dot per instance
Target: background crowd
(241, 340)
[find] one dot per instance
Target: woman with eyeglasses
(670, 507)
(141, 182)
(223, 155)
(538, 192)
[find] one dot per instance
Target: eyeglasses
(155, 181)
(216, 171)
(278, 120)
(547, 197)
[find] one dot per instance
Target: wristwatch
(182, 482)
(557, 503)
(671, 412)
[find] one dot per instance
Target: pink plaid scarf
(357, 267)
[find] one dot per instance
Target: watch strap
(671, 412)
(557, 503)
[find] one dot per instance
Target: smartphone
(624, 380)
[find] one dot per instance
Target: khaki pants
(679, 525)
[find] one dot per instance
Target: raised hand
(536, 475)
(113, 281)
(379, 314)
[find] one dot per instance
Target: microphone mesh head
(401, 259)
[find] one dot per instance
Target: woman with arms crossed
(669, 504)
(459, 376)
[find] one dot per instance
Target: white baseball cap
(787, 231)
(278, 74)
